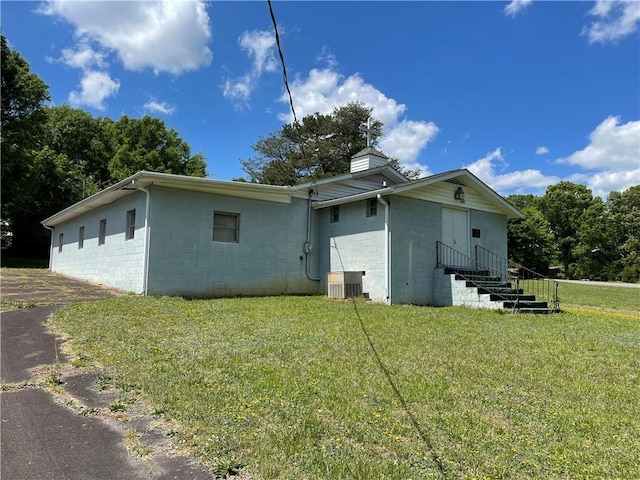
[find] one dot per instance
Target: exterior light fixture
(459, 195)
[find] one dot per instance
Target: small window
(131, 225)
(335, 214)
(81, 237)
(102, 233)
(226, 227)
(372, 207)
(60, 242)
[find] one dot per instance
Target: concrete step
(512, 297)
(479, 278)
(525, 304)
(494, 289)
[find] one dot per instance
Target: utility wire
(284, 68)
(421, 433)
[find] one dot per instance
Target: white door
(455, 234)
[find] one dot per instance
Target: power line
(284, 67)
(414, 421)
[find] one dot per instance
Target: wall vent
(345, 284)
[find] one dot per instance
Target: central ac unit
(345, 284)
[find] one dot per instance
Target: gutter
(387, 247)
(308, 246)
(353, 198)
(147, 231)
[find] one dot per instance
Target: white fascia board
(272, 193)
(352, 198)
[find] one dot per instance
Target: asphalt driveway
(62, 433)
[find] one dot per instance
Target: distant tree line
(588, 237)
(54, 156)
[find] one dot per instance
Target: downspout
(51, 246)
(308, 246)
(387, 245)
(147, 229)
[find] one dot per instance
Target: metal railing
(469, 269)
(531, 282)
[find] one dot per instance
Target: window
(102, 232)
(335, 214)
(131, 225)
(226, 227)
(372, 207)
(60, 242)
(81, 237)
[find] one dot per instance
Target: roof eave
(145, 179)
(352, 198)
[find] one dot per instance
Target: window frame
(130, 230)
(334, 214)
(224, 228)
(372, 207)
(102, 232)
(81, 237)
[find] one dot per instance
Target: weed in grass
(159, 412)
(103, 382)
(135, 445)
(117, 407)
(226, 467)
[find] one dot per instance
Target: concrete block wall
(267, 260)
(448, 291)
(493, 232)
(355, 243)
(416, 225)
(118, 263)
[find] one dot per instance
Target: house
(161, 234)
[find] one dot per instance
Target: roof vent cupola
(368, 157)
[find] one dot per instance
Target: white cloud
(542, 150)
(239, 90)
(612, 146)
(166, 36)
(607, 181)
(406, 140)
(516, 6)
(259, 46)
(612, 156)
(163, 108)
(612, 159)
(486, 169)
(95, 88)
(325, 89)
(615, 19)
(84, 57)
(327, 57)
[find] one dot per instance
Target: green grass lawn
(291, 388)
(620, 298)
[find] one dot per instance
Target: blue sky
(522, 93)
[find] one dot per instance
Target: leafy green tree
(594, 252)
(147, 144)
(320, 146)
(522, 201)
(22, 115)
(529, 240)
(563, 205)
(623, 210)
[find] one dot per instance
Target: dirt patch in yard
(33, 287)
